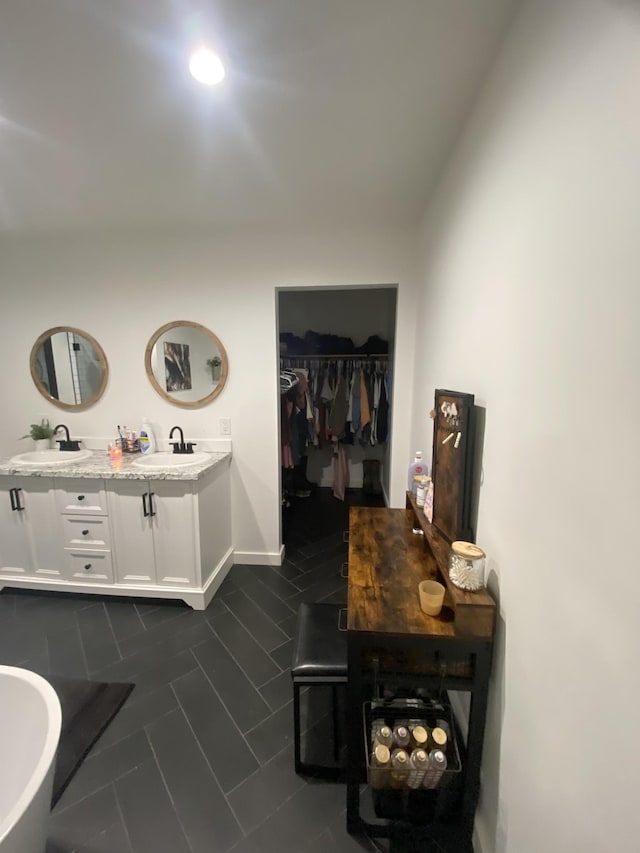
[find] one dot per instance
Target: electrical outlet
(225, 426)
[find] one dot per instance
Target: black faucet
(66, 444)
(181, 446)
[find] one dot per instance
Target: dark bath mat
(87, 709)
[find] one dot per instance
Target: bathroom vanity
(111, 527)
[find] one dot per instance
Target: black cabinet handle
(85, 532)
(87, 566)
(12, 498)
(15, 499)
(144, 505)
(151, 509)
(80, 497)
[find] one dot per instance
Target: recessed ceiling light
(206, 66)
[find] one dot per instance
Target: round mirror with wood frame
(69, 368)
(186, 364)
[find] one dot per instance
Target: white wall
(121, 289)
(530, 301)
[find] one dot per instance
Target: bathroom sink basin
(164, 461)
(50, 457)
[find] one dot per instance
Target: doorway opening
(335, 424)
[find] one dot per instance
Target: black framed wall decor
(452, 463)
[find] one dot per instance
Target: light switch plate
(225, 426)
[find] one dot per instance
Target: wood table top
(387, 561)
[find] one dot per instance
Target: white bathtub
(30, 719)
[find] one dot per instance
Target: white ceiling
(334, 111)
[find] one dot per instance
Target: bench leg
(296, 727)
(336, 723)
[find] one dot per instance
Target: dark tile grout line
(164, 781)
(258, 605)
(242, 625)
(242, 592)
(195, 737)
(224, 705)
(237, 662)
(56, 812)
(121, 813)
(115, 639)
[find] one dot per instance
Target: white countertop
(101, 466)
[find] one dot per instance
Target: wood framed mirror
(69, 368)
(186, 364)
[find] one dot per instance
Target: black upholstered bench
(319, 658)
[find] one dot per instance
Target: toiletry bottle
(417, 467)
(147, 439)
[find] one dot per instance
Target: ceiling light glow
(206, 66)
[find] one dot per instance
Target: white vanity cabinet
(86, 535)
(155, 536)
(172, 535)
(29, 532)
(155, 524)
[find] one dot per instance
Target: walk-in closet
(336, 391)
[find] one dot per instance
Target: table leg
(354, 735)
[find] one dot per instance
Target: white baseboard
(259, 558)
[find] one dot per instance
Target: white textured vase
(42, 443)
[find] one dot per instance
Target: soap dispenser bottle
(147, 439)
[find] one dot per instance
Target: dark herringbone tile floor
(200, 757)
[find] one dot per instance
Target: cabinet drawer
(86, 532)
(81, 497)
(88, 566)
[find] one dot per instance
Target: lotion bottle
(147, 439)
(417, 468)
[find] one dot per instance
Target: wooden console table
(392, 642)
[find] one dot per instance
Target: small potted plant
(215, 364)
(41, 433)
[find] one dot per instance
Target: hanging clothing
(336, 401)
(338, 416)
(340, 470)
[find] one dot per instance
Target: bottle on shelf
(147, 439)
(419, 737)
(417, 468)
(384, 735)
(437, 766)
(401, 736)
(399, 766)
(438, 739)
(419, 763)
(380, 764)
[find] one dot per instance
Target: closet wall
(356, 313)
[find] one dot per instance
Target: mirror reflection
(186, 364)
(69, 368)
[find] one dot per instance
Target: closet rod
(356, 356)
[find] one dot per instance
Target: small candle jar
(115, 450)
(466, 566)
